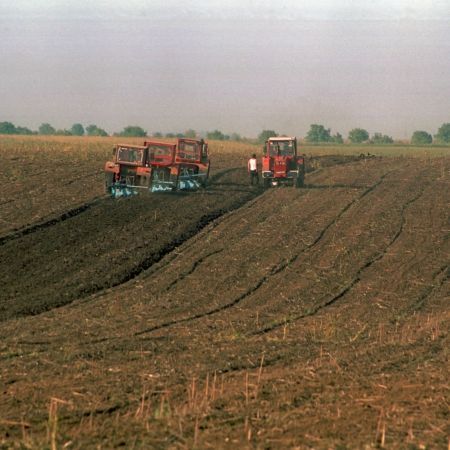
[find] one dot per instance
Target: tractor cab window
(189, 150)
(131, 155)
(159, 152)
(281, 148)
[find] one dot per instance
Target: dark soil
(235, 318)
(107, 243)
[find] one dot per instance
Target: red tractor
(157, 166)
(281, 164)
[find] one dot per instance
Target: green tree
(170, 135)
(217, 135)
(318, 133)
(337, 138)
(91, 129)
(46, 129)
(101, 132)
(379, 138)
(157, 134)
(133, 131)
(421, 138)
(77, 129)
(23, 130)
(235, 137)
(358, 135)
(7, 128)
(63, 132)
(10, 128)
(266, 134)
(443, 134)
(94, 130)
(191, 134)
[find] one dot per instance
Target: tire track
(191, 232)
(73, 212)
(422, 299)
(208, 313)
(192, 269)
(314, 310)
(169, 256)
(151, 260)
(49, 223)
(274, 270)
(147, 257)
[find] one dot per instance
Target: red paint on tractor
(281, 164)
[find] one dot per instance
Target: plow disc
(185, 184)
(190, 180)
(187, 180)
(118, 190)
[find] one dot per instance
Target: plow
(157, 167)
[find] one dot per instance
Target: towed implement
(281, 164)
(157, 167)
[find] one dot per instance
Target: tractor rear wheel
(175, 179)
(300, 180)
(204, 181)
(266, 183)
(109, 181)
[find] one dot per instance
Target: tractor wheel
(109, 181)
(266, 183)
(177, 180)
(300, 180)
(204, 181)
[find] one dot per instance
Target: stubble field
(226, 318)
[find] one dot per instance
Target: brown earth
(233, 317)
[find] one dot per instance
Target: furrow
(352, 283)
(48, 223)
(192, 269)
(272, 272)
(422, 299)
(71, 212)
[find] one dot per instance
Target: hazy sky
(236, 65)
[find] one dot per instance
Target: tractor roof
(130, 146)
(283, 138)
(167, 144)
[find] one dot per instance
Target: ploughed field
(230, 317)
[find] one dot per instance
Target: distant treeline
(46, 129)
(317, 134)
(78, 129)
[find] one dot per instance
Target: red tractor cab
(281, 164)
(157, 166)
(184, 165)
(127, 170)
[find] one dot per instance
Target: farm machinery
(157, 167)
(281, 164)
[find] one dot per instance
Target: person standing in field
(252, 167)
